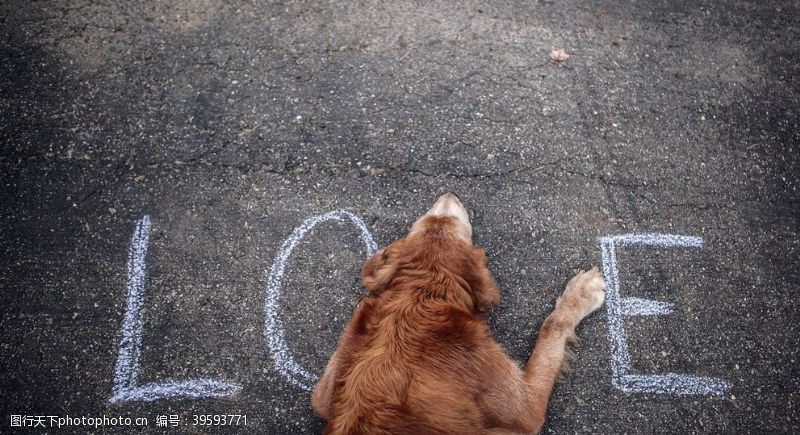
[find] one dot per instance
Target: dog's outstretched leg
(583, 295)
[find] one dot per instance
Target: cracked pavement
(230, 124)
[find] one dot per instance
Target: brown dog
(417, 356)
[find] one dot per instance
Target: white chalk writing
(126, 375)
(618, 307)
(273, 328)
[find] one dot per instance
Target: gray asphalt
(229, 125)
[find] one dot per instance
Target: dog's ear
(484, 290)
(378, 271)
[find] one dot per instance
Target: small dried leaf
(559, 55)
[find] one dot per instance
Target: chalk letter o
(273, 327)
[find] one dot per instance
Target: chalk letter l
(126, 375)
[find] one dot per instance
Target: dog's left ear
(484, 290)
(378, 272)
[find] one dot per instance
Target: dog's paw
(584, 293)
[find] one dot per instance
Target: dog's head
(437, 248)
(453, 219)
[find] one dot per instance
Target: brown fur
(417, 356)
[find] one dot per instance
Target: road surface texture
(228, 125)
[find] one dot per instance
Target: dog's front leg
(583, 295)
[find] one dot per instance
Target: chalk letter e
(126, 375)
(619, 307)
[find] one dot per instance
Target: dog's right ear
(484, 289)
(378, 272)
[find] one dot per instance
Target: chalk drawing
(645, 307)
(273, 328)
(126, 374)
(618, 307)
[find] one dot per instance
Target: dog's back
(411, 369)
